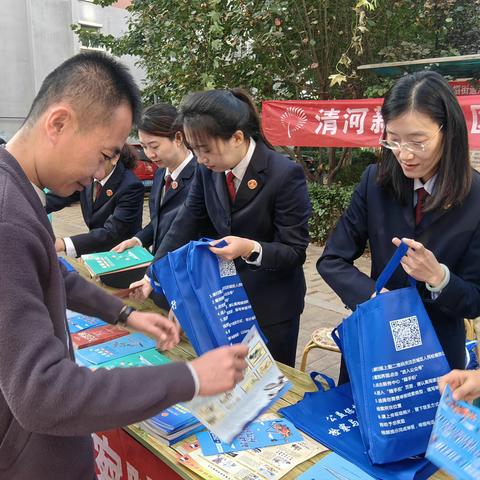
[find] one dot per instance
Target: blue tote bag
(393, 358)
(330, 418)
(169, 275)
(206, 295)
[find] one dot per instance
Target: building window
(93, 28)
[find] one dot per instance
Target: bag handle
(390, 268)
(319, 384)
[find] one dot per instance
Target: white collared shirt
(238, 174)
(428, 186)
(176, 173)
(240, 169)
(69, 246)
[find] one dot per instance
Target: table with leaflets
(143, 458)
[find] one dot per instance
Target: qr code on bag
(227, 268)
(406, 333)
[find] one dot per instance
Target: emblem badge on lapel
(252, 184)
(109, 193)
(174, 185)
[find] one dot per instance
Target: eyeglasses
(412, 147)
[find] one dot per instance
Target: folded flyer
(455, 441)
(258, 434)
(226, 415)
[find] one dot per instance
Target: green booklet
(106, 262)
(140, 359)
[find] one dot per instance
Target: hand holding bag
(393, 358)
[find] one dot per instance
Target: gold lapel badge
(109, 193)
(252, 184)
(174, 185)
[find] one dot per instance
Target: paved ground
(322, 307)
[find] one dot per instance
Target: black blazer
(272, 207)
(452, 235)
(115, 216)
(163, 214)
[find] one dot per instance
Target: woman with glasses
(425, 192)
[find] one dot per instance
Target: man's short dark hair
(94, 83)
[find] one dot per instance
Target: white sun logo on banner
(294, 118)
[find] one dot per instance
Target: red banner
(464, 87)
(118, 456)
(342, 123)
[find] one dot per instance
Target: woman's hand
(237, 247)
(140, 290)
(420, 263)
(125, 245)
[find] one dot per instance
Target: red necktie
(168, 182)
(98, 189)
(421, 196)
(232, 192)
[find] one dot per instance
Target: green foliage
(328, 204)
(350, 174)
(276, 48)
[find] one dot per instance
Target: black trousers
(282, 340)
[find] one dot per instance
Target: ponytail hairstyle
(428, 93)
(220, 113)
(129, 157)
(160, 120)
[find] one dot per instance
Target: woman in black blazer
(256, 200)
(425, 192)
(162, 142)
(112, 207)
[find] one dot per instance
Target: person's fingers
(463, 392)
(412, 243)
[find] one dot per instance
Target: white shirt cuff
(195, 380)
(138, 241)
(69, 247)
(436, 291)
(258, 261)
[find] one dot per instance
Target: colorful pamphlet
(455, 441)
(270, 463)
(94, 336)
(334, 467)
(106, 262)
(78, 321)
(120, 347)
(145, 358)
(226, 415)
(258, 434)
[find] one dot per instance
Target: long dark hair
(428, 93)
(160, 120)
(220, 113)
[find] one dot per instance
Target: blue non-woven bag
(330, 418)
(169, 275)
(206, 294)
(393, 358)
